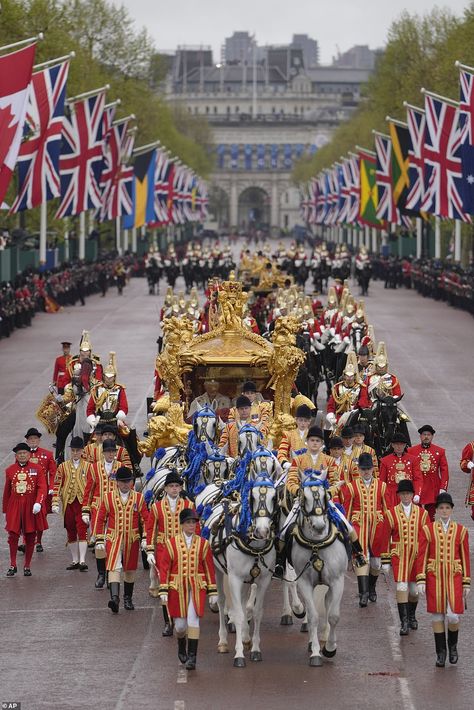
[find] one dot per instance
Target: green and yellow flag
(369, 195)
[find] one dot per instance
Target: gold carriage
(231, 354)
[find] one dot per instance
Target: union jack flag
(81, 158)
(345, 184)
(161, 187)
(416, 121)
(386, 207)
(332, 192)
(116, 179)
(321, 200)
(177, 210)
(305, 202)
(353, 217)
(466, 122)
(38, 159)
(442, 160)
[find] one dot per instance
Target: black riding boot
(412, 620)
(168, 629)
(182, 655)
(358, 552)
(453, 646)
(403, 613)
(192, 653)
(440, 643)
(127, 596)
(114, 602)
(363, 583)
(100, 581)
(280, 561)
(372, 592)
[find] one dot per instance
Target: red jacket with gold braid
(184, 570)
(393, 469)
(467, 457)
(443, 563)
(163, 523)
(120, 523)
(24, 486)
(365, 509)
(402, 540)
(433, 467)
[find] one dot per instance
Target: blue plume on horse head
(261, 451)
(150, 474)
(250, 429)
(148, 495)
(159, 453)
(313, 477)
(245, 517)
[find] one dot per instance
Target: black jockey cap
(109, 445)
(405, 485)
(173, 477)
(365, 462)
(249, 386)
(124, 474)
(347, 432)
(303, 411)
(315, 431)
(335, 442)
(21, 447)
(187, 514)
(444, 498)
(426, 427)
(243, 401)
(99, 429)
(32, 432)
(358, 429)
(399, 438)
(77, 442)
(363, 350)
(108, 429)
(65, 342)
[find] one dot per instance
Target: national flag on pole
(38, 159)
(345, 187)
(116, 180)
(16, 69)
(416, 121)
(143, 191)
(353, 217)
(81, 158)
(442, 160)
(401, 146)
(466, 123)
(386, 208)
(369, 196)
(322, 201)
(161, 187)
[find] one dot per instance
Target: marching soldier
(433, 466)
(293, 442)
(467, 465)
(60, 374)
(186, 573)
(100, 481)
(45, 459)
(397, 466)
(443, 574)
(365, 503)
(402, 529)
(163, 524)
(108, 401)
(69, 488)
(24, 494)
(121, 522)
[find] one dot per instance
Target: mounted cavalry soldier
(85, 353)
(347, 395)
(381, 382)
(433, 466)
(108, 401)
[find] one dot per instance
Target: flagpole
(144, 148)
(134, 240)
(437, 238)
(88, 94)
(66, 244)
(419, 234)
(446, 99)
(22, 42)
(43, 229)
(52, 62)
(396, 122)
(125, 240)
(458, 65)
(457, 240)
(82, 236)
(117, 235)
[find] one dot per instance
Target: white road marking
(182, 675)
(179, 705)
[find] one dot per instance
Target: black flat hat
(32, 431)
(187, 514)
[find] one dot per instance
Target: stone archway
(219, 206)
(254, 208)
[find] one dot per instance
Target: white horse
(319, 557)
(246, 554)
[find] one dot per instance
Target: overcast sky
(334, 23)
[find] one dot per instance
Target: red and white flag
(15, 77)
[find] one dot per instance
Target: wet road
(62, 648)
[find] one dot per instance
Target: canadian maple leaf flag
(15, 78)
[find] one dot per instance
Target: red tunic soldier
(402, 529)
(61, 368)
(45, 459)
(397, 466)
(163, 524)
(121, 522)
(467, 465)
(69, 487)
(108, 400)
(444, 574)
(186, 574)
(433, 467)
(24, 494)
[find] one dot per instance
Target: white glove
(386, 568)
(143, 544)
(286, 466)
(465, 592)
(92, 420)
(442, 490)
(36, 508)
(164, 599)
(99, 546)
(121, 415)
(470, 465)
(150, 558)
(213, 600)
(86, 519)
(55, 508)
(416, 499)
(421, 586)
(51, 491)
(331, 417)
